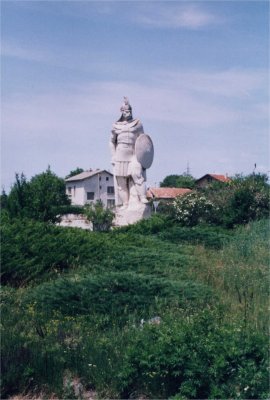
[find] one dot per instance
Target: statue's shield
(144, 150)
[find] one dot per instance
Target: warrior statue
(130, 158)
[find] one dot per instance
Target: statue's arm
(113, 143)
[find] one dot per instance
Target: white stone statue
(132, 153)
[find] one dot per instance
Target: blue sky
(196, 74)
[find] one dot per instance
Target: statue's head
(126, 110)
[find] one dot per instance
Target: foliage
(100, 216)
(3, 200)
(209, 236)
(72, 302)
(192, 209)
(30, 250)
(243, 199)
(116, 295)
(74, 172)
(152, 225)
(196, 357)
(178, 181)
(41, 198)
(18, 198)
(237, 202)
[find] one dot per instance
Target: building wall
(91, 189)
(205, 181)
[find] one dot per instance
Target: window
(110, 203)
(90, 195)
(100, 178)
(107, 178)
(110, 189)
(69, 190)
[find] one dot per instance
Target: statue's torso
(124, 137)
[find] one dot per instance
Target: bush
(243, 199)
(116, 295)
(31, 250)
(212, 237)
(196, 357)
(100, 216)
(192, 209)
(150, 226)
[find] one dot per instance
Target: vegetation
(100, 216)
(158, 309)
(178, 181)
(74, 172)
(40, 199)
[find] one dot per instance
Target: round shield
(144, 150)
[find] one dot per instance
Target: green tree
(48, 194)
(178, 181)
(74, 172)
(3, 200)
(243, 199)
(41, 198)
(18, 197)
(100, 216)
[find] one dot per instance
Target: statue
(132, 153)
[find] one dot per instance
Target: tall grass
(85, 319)
(240, 272)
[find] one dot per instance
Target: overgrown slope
(73, 301)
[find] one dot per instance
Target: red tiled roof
(166, 193)
(220, 178)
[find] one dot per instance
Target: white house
(90, 186)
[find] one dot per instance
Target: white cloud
(173, 15)
(184, 114)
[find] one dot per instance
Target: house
(165, 193)
(90, 186)
(208, 179)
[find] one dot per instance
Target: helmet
(126, 106)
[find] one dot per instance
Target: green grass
(72, 302)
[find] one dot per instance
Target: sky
(196, 74)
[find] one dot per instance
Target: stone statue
(132, 153)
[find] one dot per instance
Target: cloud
(190, 115)
(192, 99)
(9, 49)
(183, 16)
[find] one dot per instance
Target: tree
(178, 181)
(100, 216)
(243, 199)
(18, 197)
(3, 200)
(48, 193)
(40, 199)
(74, 172)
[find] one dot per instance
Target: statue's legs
(141, 191)
(123, 190)
(139, 177)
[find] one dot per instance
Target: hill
(154, 310)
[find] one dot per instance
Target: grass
(72, 303)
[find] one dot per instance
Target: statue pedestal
(132, 214)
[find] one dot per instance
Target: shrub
(116, 294)
(192, 209)
(100, 216)
(196, 357)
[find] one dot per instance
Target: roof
(220, 178)
(87, 174)
(166, 192)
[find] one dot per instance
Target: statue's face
(126, 115)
